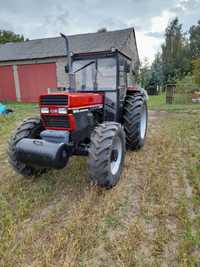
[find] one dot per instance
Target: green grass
(185, 132)
(21, 111)
(21, 106)
(159, 103)
(58, 219)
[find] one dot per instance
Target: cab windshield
(95, 74)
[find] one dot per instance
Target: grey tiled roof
(54, 47)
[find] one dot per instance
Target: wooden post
(170, 92)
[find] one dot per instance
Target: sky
(47, 18)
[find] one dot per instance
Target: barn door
(7, 84)
(35, 79)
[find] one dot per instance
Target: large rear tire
(29, 128)
(106, 154)
(135, 121)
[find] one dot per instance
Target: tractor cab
(107, 73)
(101, 71)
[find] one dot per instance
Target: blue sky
(47, 18)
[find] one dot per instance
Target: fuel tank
(40, 153)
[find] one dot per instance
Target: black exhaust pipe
(68, 69)
(40, 153)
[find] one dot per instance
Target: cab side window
(122, 82)
(122, 71)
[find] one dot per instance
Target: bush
(186, 85)
(185, 89)
(196, 71)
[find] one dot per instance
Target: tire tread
(131, 120)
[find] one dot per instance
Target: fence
(174, 96)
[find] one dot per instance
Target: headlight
(44, 110)
(62, 110)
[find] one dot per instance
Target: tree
(196, 71)
(175, 52)
(195, 40)
(157, 70)
(186, 85)
(102, 30)
(9, 36)
(145, 74)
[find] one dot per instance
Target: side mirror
(67, 68)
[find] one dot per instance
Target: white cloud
(149, 42)
(159, 23)
(147, 46)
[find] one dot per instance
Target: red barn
(29, 68)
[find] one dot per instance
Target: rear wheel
(106, 154)
(29, 128)
(135, 121)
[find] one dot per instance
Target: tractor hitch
(40, 153)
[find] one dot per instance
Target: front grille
(56, 100)
(56, 121)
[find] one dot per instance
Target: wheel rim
(116, 155)
(143, 123)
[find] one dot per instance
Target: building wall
(26, 80)
(7, 84)
(62, 77)
(130, 49)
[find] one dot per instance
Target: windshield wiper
(85, 66)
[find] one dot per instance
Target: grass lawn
(159, 103)
(151, 218)
(21, 111)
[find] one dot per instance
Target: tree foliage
(9, 36)
(102, 30)
(186, 85)
(174, 62)
(195, 40)
(196, 71)
(145, 74)
(175, 52)
(157, 70)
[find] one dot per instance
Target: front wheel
(29, 128)
(106, 154)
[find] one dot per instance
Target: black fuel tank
(40, 153)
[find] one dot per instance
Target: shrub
(196, 71)
(186, 85)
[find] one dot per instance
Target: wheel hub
(143, 123)
(116, 155)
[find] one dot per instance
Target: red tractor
(99, 115)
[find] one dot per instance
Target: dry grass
(150, 219)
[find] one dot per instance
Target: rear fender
(135, 89)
